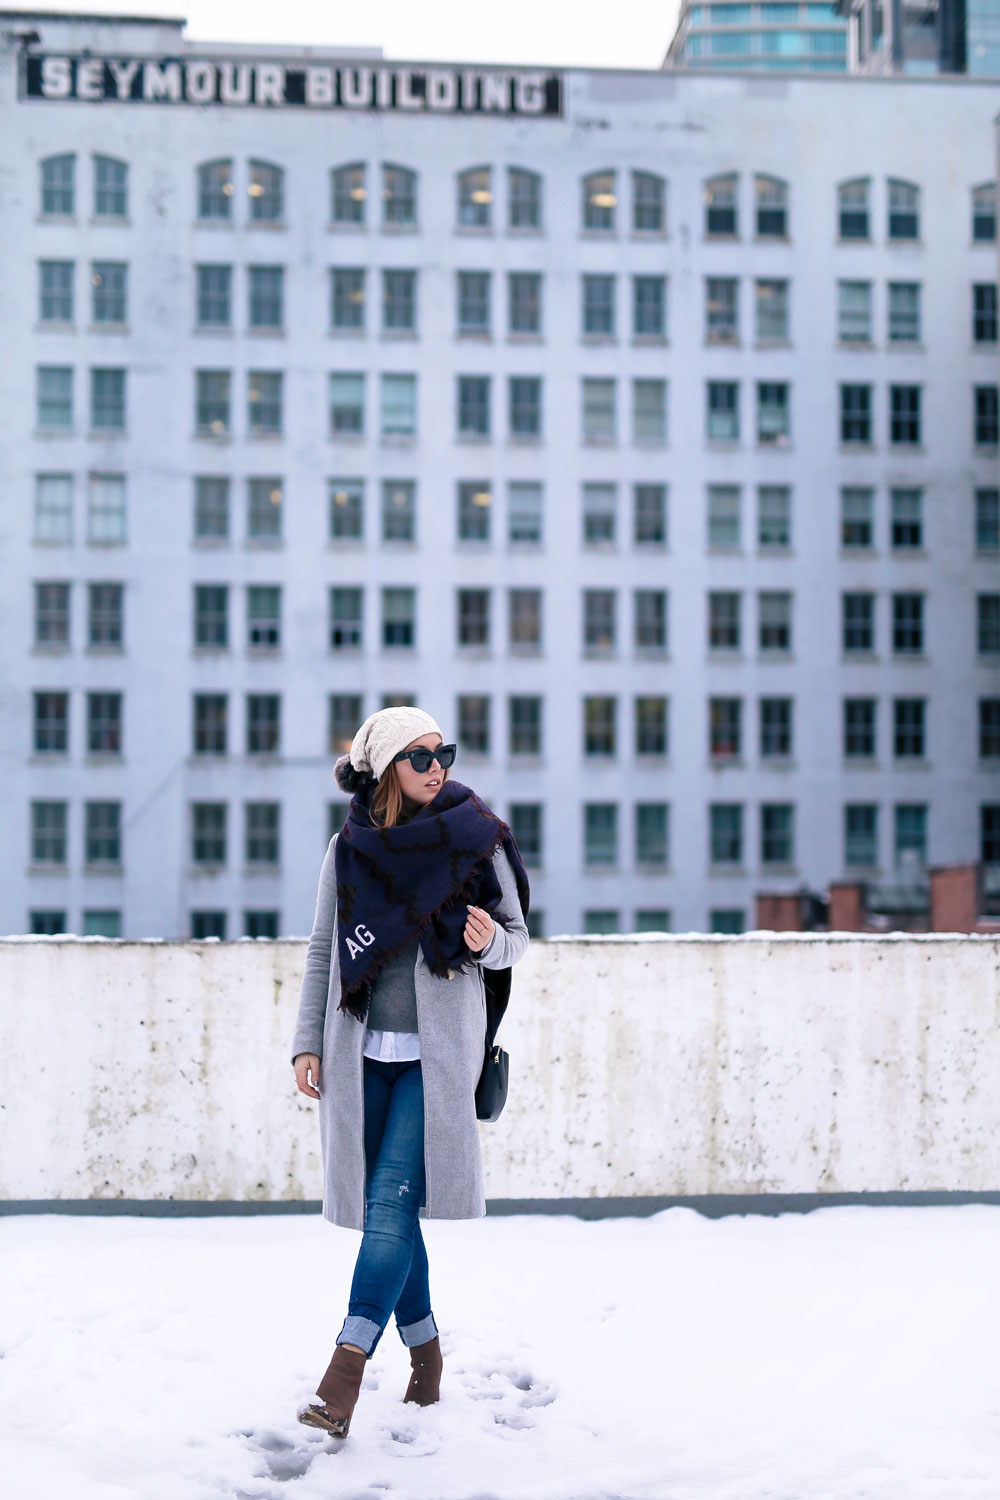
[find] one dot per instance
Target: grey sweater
(394, 997)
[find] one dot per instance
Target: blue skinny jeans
(390, 1275)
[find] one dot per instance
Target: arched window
(721, 210)
(348, 194)
(649, 203)
(215, 190)
(600, 199)
(110, 188)
(771, 207)
(399, 197)
(984, 212)
(475, 198)
(904, 210)
(853, 214)
(267, 192)
(524, 199)
(58, 183)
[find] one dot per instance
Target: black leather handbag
(491, 1090)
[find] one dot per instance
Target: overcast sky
(625, 34)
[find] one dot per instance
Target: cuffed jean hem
(361, 1332)
(418, 1333)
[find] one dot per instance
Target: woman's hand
(306, 1063)
(479, 928)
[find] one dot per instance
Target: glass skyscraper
(768, 35)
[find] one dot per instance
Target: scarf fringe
(467, 888)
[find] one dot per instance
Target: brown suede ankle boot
(425, 1382)
(338, 1390)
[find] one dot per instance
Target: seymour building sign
(275, 85)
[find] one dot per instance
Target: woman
(421, 890)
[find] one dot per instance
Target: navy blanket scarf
(417, 878)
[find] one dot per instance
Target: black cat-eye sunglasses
(421, 758)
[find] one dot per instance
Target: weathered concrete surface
(678, 1065)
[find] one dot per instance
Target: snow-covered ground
(846, 1354)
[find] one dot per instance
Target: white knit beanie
(386, 732)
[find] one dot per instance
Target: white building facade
(642, 427)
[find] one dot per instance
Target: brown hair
(386, 803)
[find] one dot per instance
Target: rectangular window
(210, 727)
(51, 614)
(600, 507)
(55, 291)
(347, 299)
(266, 193)
(474, 300)
(906, 507)
(725, 833)
(399, 198)
(211, 615)
(214, 299)
(474, 723)
(524, 717)
(524, 406)
(649, 411)
(987, 416)
(857, 510)
(265, 503)
(599, 621)
(347, 509)
(475, 504)
(262, 834)
(722, 416)
(600, 833)
(105, 615)
(651, 833)
(854, 312)
(473, 414)
(104, 723)
(904, 414)
(775, 728)
(723, 620)
(472, 625)
(58, 184)
(48, 833)
(649, 307)
(525, 819)
(263, 724)
(859, 728)
(724, 523)
(265, 392)
(650, 726)
(524, 512)
(725, 728)
(649, 512)
(524, 620)
(107, 400)
(399, 617)
(989, 728)
(774, 621)
(346, 391)
(102, 839)
(524, 199)
(853, 206)
(343, 717)
(599, 921)
(908, 725)
(984, 313)
(208, 833)
(348, 194)
(263, 616)
(110, 188)
(648, 203)
(212, 402)
(855, 413)
(399, 301)
(598, 317)
(904, 312)
(51, 723)
(524, 302)
(988, 624)
(216, 190)
(650, 619)
(773, 413)
(987, 523)
(721, 310)
(599, 411)
(398, 406)
(774, 515)
(399, 510)
(777, 833)
(861, 834)
(106, 508)
(857, 622)
(54, 399)
(904, 210)
(267, 295)
(346, 618)
(771, 306)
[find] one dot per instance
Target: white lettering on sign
(200, 82)
(90, 79)
(270, 84)
(320, 87)
(123, 73)
(57, 78)
(161, 82)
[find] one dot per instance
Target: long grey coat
(451, 1019)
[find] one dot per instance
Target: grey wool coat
(451, 1019)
